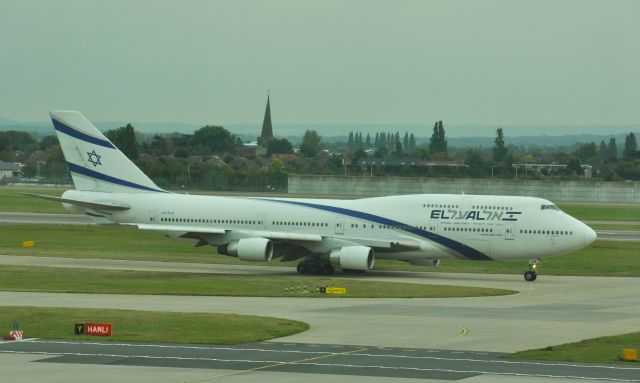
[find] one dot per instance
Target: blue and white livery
(323, 234)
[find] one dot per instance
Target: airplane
(324, 234)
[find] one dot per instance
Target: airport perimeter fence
(554, 190)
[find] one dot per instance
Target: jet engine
(249, 249)
(353, 258)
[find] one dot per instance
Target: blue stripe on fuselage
(103, 177)
(466, 251)
(60, 127)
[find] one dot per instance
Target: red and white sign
(16, 334)
(98, 329)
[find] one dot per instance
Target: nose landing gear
(531, 274)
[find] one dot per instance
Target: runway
(344, 360)
(356, 340)
(9, 218)
(550, 311)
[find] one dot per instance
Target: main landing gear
(315, 268)
(531, 274)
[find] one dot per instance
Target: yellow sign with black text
(336, 290)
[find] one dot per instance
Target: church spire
(267, 130)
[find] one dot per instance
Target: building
(551, 168)
(8, 170)
(266, 134)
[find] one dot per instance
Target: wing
(289, 245)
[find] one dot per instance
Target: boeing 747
(324, 234)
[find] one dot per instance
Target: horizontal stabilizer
(102, 206)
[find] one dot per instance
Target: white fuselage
(444, 226)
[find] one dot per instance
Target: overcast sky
(325, 61)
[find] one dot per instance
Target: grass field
(11, 200)
(606, 349)
(597, 212)
(104, 242)
(615, 226)
(601, 258)
(147, 326)
(49, 279)
(606, 258)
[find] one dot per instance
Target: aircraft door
(261, 221)
(510, 231)
(465, 204)
(340, 225)
(153, 216)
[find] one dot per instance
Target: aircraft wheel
(351, 271)
(302, 268)
(314, 269)
(327, 269)
(530, 276)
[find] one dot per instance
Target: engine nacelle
(249, 249)
(353, 258)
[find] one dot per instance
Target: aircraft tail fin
(94, 162)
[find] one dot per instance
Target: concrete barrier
(566, 191)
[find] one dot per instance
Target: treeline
(381, 140)
(214, 158)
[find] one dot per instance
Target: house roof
(9, 166)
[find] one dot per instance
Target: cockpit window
(549, 207)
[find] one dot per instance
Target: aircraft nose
(589, 235)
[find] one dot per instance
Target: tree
(587, 152)
(438, 143)
(612, 150)
(13, 140)
(473, 158)
(124, 138)
(159, 146)
(277, 164)
(311, 143)
(279, 146)
(630, 151)
(405, 140)
(602, 151)
(573, 166)
(48, 142)
(357, 155)
(476, 163)
(499, 149)
(368, 141)
(412, 142)
(350, 140)
(398, 151)
(358, 140)
(216, 138)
